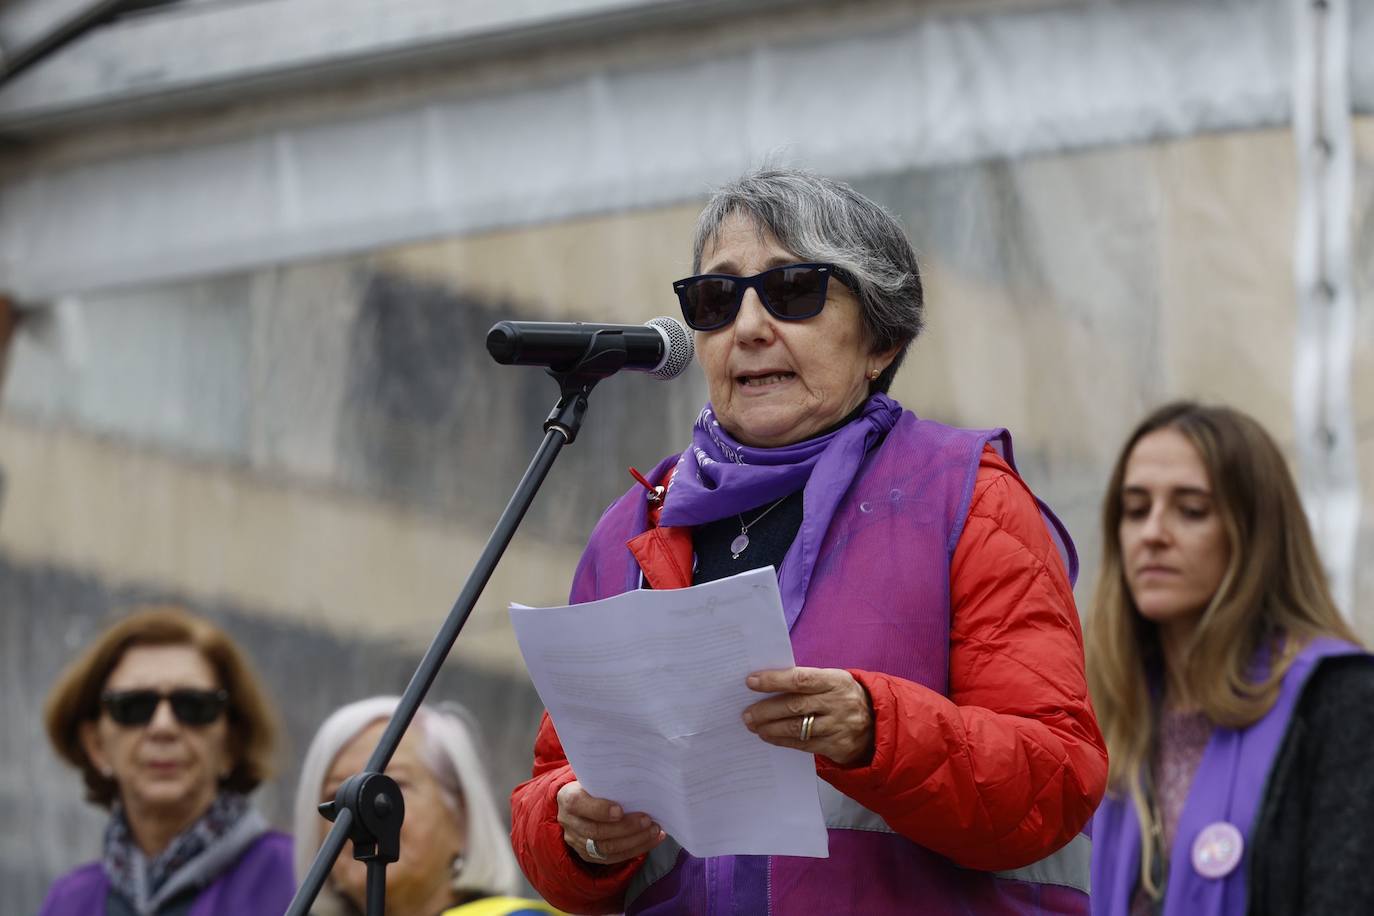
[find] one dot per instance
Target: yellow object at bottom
(502, 906)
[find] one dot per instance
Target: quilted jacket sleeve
(561, 878)
(1011, 765)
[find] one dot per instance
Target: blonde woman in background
(1237, 705)
(455, 856)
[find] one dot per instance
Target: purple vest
(261, 882)
(1227, 790)
(878, 600)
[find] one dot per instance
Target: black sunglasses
(190, 706)
(793, 292)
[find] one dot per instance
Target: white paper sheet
(646, 690)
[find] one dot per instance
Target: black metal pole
(376, 887)
(560, 429)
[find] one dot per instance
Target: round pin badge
(1217, 850)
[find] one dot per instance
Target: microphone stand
(368, 808)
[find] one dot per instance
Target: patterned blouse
(1183, 737)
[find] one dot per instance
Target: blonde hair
(450, 750)
(75, 698)
(1273, 594)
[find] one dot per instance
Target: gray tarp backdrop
(254, 381)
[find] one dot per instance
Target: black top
(769, 540)
(1314, 834)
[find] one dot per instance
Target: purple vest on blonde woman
(878, 600)
(1207, 867)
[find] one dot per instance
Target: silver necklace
(740, 544)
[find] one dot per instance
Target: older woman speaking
(940, 680)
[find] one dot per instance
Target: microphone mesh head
(678, 354)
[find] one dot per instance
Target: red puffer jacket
(1002, 772)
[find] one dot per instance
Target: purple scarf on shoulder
(718, 477)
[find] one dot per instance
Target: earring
(874, 374)
(456, 870)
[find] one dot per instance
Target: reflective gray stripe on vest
(660, 861)
(844, 813)
(1067, 867)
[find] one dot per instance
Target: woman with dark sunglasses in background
(940, 682)
(170, 731)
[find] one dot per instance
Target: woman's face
(1174, 547)
(432, 833)
(165, 768)
(776, 382)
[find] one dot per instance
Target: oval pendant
(739, 545)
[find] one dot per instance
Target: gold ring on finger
(808, 720)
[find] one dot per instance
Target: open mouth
(764, 380)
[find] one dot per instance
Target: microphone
(661, 347)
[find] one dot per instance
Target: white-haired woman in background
(455, 856)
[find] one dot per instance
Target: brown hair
(1274, 593)
(75, 698)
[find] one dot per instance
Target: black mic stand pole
(368, 808)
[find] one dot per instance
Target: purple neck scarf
(717, 477)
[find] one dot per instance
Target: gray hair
(449, 748)
(823, 220)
